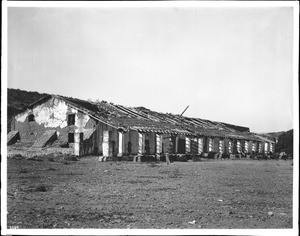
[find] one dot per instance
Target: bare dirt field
(207, 194)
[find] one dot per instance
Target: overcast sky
(228, 64)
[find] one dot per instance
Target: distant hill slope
(18, 99)
(285, 142)
(273, 135)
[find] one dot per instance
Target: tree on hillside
(285, 142)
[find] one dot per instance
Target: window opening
(147, 147)
(71, 119)
(31, 117)
(71, 137)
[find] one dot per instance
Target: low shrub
(70, 158)
(225, 155)
(66, 163)
(51, 159)
(17, 156)
(51, 169)
(34, 158)
(41, 188)
(181, 158)
(188, 156)
(148, 158)
(211, 155)
(196, 158)
(64, 145)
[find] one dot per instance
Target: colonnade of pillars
(191, 144)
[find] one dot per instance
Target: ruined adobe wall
(166, 144)
(205, 144)
(226, 145)
(113, 141)
(51, 115)
(132, 137)
(250, 146)
(88, 146)
(243, 145)
(194, 145)
(181, 144)
(152, 142)
(96, 140)
(256, 146)
(266, 146)
(216, 144)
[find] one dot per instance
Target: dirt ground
(208, 194)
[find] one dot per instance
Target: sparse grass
(83, 195)
(174, 173)
(153, 164)
(139, 181)
(24, 170)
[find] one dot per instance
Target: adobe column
(121, 148)
(138, 157)
(200, 145)
(176, 144)
(187, 144)
(76, 143)
(158, 146)
(105, 144)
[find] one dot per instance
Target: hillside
(275, 134)
(272, 135)
(18, 99)
(285, 142)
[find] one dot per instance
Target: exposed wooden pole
(184, 110)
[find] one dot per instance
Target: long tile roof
(146, 120)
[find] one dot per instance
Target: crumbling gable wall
(51, 115)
